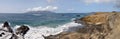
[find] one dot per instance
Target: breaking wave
(37, 32)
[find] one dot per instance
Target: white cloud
(98, 1)
(47, 8)
(116, 2)
(50, 1)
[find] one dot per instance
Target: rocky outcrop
(97, 18)
(6, 32)
(22, 30)
(114, 23)
(97, 26)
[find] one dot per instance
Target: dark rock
(22, 30)
(0, 35)
(14, 36)
(3, 33)
(6, 25)
(8, 31)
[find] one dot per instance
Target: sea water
(43, 23)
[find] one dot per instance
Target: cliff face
(114, 22)
(97, 26)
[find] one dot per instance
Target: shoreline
(97, 26)
(100, 25)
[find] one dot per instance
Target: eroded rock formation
(97, 26)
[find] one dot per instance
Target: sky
(59, 6)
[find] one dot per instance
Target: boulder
(7, 26)
(22, 30)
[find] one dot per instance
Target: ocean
(42, 23)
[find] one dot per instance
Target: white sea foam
(37, 32)
(7, 34)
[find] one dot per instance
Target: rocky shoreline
(6, 32)
(101, 25)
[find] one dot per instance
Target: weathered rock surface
(6, 32)
(22, 30)
(97, 26)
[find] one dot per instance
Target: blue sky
(60, 6)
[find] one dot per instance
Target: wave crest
(37, 32)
